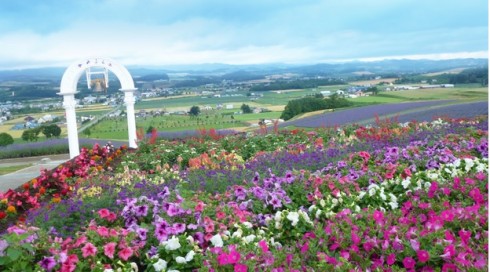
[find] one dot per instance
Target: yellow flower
(11, 209)
(4, 201)
(56, 199)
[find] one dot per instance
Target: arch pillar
(129, 101)
(69, 104)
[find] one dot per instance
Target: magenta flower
(378, 216)
(89, 250)
(408, 262)
(263, 245)
(109, 250)
(391, 259)
(233, 257)
(240, 268)
(423, 256)
(223, 259)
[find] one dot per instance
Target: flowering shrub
(355, 198)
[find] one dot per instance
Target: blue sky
(149, 32)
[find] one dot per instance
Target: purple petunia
(48, 263)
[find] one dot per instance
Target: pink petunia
(125, 253)
(89, 250)
(240, 268)
(103, 231)
(423, 256)
(109, 250)
(263, 245)
(408, 262)
(103, 213)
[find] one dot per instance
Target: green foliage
(30, 135)
(87, 132)
(149, 129)
(309, 104)
(374, 90)
(246, 108)
(6, 139)
(51, 130)
(194, 111)
(296, 84)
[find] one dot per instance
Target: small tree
(246, 108)
(6, 139)
(374, 90)
(195, 111)
(30, 135)
(51, 130)
(87, 132)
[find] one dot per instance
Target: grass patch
(10, 169)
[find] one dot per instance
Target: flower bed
(392, 197)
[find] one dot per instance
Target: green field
(221, 119)
(466, 94)
(117, 128)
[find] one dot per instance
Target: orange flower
(34, 182)
(42, 190)
(11, 209)
(56, 199)
(25, 186)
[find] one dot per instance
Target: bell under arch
(68, 89)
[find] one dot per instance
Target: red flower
(2, 215)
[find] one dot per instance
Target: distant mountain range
(402, 66)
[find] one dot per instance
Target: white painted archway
(68, 89)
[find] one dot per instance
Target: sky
(37, 33)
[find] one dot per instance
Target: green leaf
(13, 253)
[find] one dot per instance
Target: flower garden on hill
(391, 197)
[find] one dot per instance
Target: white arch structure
(68, 89)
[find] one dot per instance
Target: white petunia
(318, 213)
(406, 182)
(180, 260)
(357, 209)
(361, 195)
(237, 234)
(393, 198)
(249, 238)
(382, 195)
(190, 255)
(393, 205)
(217, 241)
(160, 265)
(248, 225)
(322, 202)
(172, 243)
(468, 164)
(278, 216)
(293, 217)
(372, 191)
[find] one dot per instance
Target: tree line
(313, 103)
(296, 84)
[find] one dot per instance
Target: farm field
(274, 101)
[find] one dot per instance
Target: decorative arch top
(75, 71)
